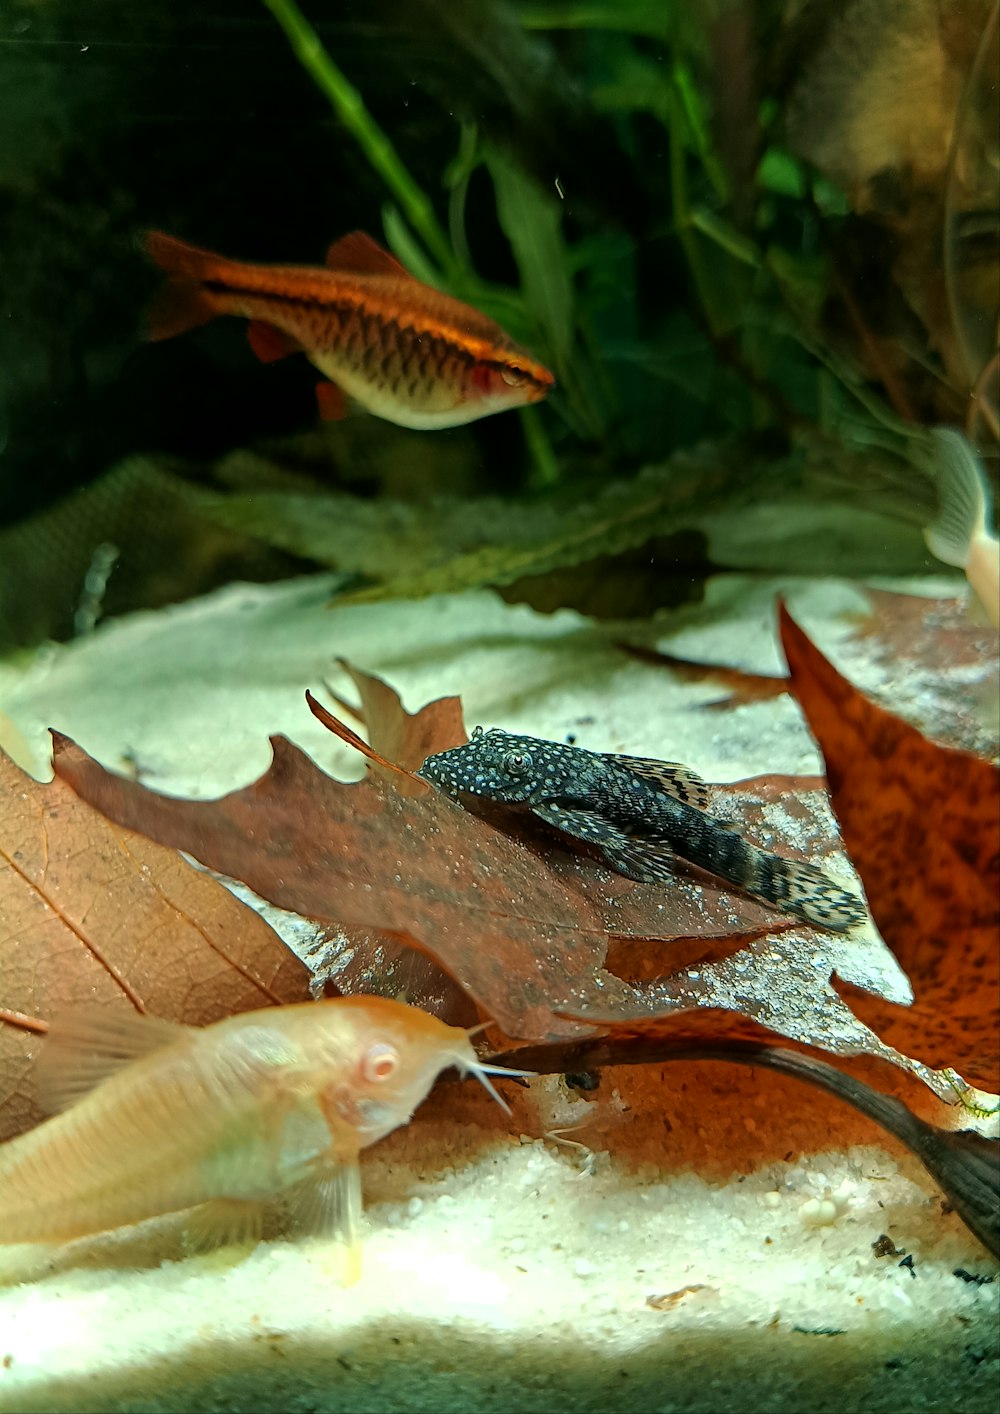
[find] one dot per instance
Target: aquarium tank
(499, 705)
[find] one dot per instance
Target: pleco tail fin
(805, 891)
(793, 887)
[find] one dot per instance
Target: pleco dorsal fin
(677, 780)
(85, 1045)
(358, 254)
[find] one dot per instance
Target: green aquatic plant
(726, 327)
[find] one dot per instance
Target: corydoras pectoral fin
(87, 1044)
(358, 254)
(327, 1204)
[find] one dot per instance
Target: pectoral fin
(327, 1204)
(584, 824)
(643, 860)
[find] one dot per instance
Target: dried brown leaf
(519, 918)
(741, 686)
(93, 912)
(922, 824)
(369, 961)
(407, 738)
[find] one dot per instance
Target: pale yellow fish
(159, 1118)
(960, 535)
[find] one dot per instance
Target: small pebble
(819, 1212)
(583, 1268)
(772, 1199)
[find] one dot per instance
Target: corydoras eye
(379, 1062)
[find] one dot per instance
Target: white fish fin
(327, 1204)
(962, 498)
(87, 1044)
(223, 1222)
(677, 780)
(983, 573)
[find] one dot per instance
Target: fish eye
(517, 762)
(476, 732)
(514, 377)
(379, 1062)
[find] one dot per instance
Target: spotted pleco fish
(400, 348)
(640, 813)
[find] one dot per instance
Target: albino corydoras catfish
(273, 1104)
(962, 534)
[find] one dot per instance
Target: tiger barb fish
(220, 1120)
(404, 351)
(640, 813)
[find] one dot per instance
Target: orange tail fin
(177, 308)
(183, 304)
(185, 262)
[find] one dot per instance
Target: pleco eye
(513, 377)
(517, 761)
(379, 1062)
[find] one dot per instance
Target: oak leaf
(93, 912)
(740, 686)
(521, 919)
(922, 825)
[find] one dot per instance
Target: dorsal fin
(358, 254)
(679, 781)
(85, 1045)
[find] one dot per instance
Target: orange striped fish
(401, 349)
(162, 1118)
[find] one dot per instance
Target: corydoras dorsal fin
(85, 1045)
(358, 254)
